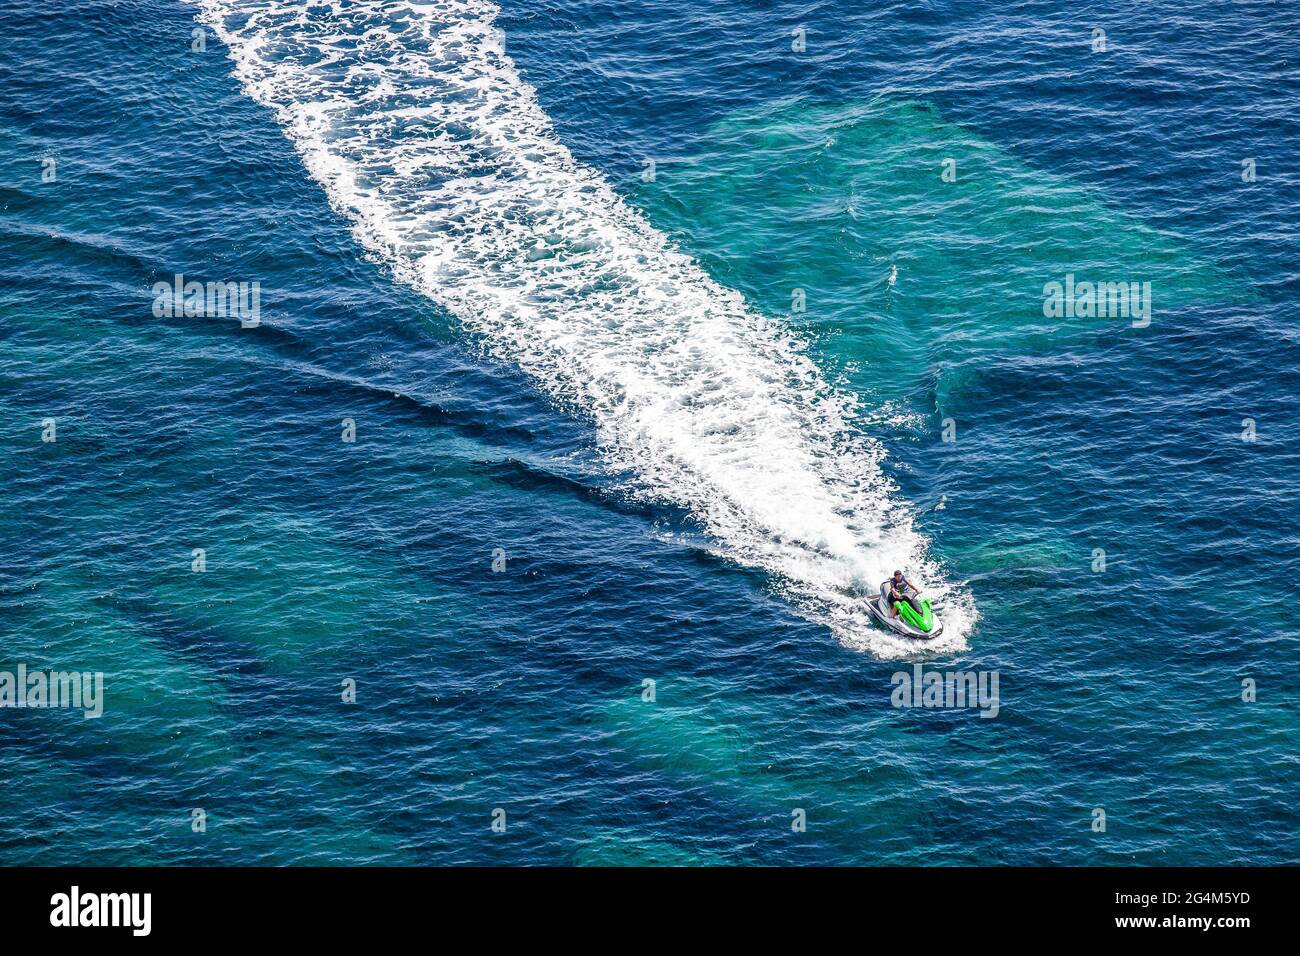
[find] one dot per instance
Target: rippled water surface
(662, 343)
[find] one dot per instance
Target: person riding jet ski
(900, 609)
(899, 587)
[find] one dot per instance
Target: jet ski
(916, 619)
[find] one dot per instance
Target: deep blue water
(647, 524)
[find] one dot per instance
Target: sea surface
(604, 357)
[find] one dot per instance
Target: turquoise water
(595, 379)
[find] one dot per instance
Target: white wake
(424, 135)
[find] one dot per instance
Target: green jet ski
(916, 619)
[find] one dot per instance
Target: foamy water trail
(425, 136)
